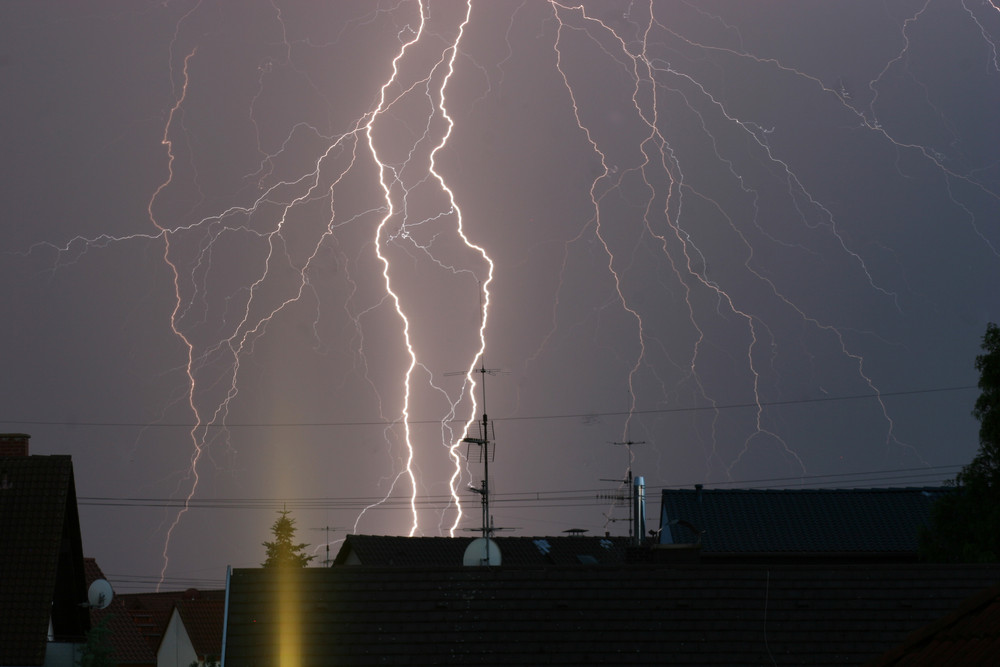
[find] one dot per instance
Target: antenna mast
(328, 562)
(630, 494)
(485, 454)
(486, 436)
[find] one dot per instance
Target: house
(812, 524)
(737, 577)
(642, 613)
(42, 621)
(178, 628)
(193, 634)
(969, 636)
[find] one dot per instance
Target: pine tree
(283, 552)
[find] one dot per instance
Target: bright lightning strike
(696, 226)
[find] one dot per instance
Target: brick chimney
(14, 444)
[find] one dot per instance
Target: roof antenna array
(327, 562)
(629, 494)
(485, 441)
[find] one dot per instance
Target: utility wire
(572, 415)
(552, 497)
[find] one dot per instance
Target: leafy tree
(283, 552)
(965, 525)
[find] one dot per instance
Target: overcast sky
(245, 246)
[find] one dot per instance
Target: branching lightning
(646, 198)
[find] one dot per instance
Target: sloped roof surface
(640, 614)
(130, 647)
(151, 612)
(35, 495)
(969, 636)
(203, 623)
(800, 520)
(448, 551)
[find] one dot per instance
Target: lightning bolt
(661, 216)
(164, 233)
(690, 201)
(397, 227)
(394, 187)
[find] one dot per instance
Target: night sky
(245, 247)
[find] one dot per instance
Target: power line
(573, 415)
(553, 497)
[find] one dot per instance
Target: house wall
(176, 649)
(62, 654)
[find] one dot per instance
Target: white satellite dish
(482, 551)
(100, 594)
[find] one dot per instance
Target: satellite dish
(100, 594)
(481, 551)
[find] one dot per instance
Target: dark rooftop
(129, 645)
(883, 521)
(448, 551)
(639, 614)
(203, 622)
(41, 557)
(969, 636)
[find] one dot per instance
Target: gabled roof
(41, 557)
(448, 551)
(969, 636)
(151, 612)
(203, 623)
(130, 647)
(873, 521)
(637, 614)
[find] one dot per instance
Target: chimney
(639, 511)
(14, 444)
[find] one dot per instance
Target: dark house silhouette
(827, 577)
(41, 558)
(801, 524)
(696, 614)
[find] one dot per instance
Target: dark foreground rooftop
(639, 614)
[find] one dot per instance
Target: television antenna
(487, 436)
(627, 495)
(487, 449)
(327, 562)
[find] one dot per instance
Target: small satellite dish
(100, 594)
(481, 551)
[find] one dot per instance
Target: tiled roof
(203, 623)
(151, 612)
(448, 551)
(969, 636)
(130, 647)
(640, 614)
(38, 522)
(886, 521)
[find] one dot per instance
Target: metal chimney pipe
(638, 511)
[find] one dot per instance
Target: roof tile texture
(638, 614)
(34, 497)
